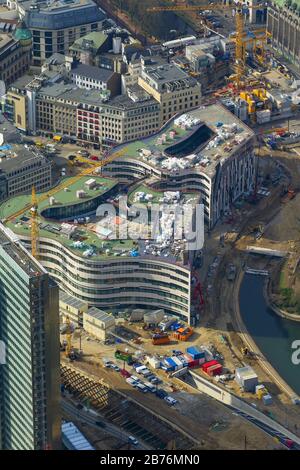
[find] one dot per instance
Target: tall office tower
(29, 329)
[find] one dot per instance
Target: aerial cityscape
(149, 228)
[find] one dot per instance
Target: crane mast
(239, 9)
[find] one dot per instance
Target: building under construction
(283, 23)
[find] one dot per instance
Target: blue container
(195, 353)
(169, 361)
(192, 350)
(183, 360)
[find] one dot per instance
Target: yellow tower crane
(32, 207)
(240, 9)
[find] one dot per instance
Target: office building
(29, 328)
(121, 119)
(101, 272)
(173, 88)
(20, 167)
(90, 77)
(283, 24)
(15, 54)
(56, 24)
(217, 162)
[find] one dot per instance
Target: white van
(133, 440)
(131, 381)
(170, 400)
(150, 386)
(140, 369)
(142, 387)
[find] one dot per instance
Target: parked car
(155, 380)
(94, 157)
(133, 441)
(171, 401)
(141, 387)
(161, 393)
(136, 379)
(83, 153)
(100, 424)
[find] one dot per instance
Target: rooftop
(5, 41)
(136, 96)
(72, 93)
(95, 40)
(10, 244)
(206, 136)
(167, 73)
(98, 238)
(22, 82)
(70, 300)
(61, 14)
(100, 315)
(86, 237)
(92, 72)
(73, 438)
(147, 195)
(64, 197)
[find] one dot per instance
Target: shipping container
(170, 363)
(208, 364)
(161, 338)
(214, 370)
(195, 353)
(191, 362)
(177, 362)
(153, 362)
(183, 360)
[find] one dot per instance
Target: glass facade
(29, 379)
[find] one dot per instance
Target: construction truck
(124, 356)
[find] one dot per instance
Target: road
(243, 409)
(91, 418)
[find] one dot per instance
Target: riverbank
(282, 313)
(251, 344)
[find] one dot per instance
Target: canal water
(272, 334)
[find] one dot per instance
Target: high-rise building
(283, 24)
(29, 329)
